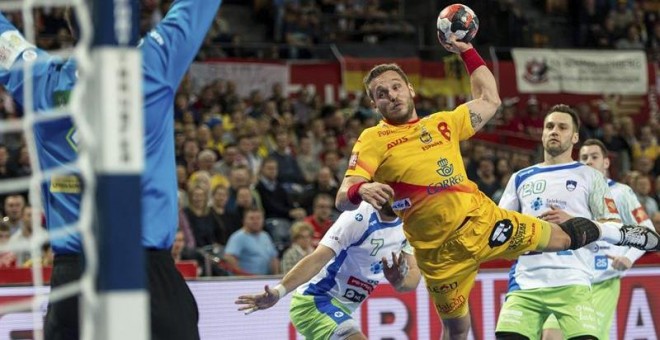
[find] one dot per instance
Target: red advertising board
(386, 314)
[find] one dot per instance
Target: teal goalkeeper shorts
(319, 317)
(605, 296)
(525, 311)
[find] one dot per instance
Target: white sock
(610, 232)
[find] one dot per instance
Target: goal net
(99, 117)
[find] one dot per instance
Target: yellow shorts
(451, 269)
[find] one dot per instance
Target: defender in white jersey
(340, 274)
(608, 262)
(542, 284)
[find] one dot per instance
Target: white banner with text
(580, 71)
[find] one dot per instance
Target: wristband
(281, 291)
(353, 193)
(472, 60)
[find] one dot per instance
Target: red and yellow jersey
(422, 162)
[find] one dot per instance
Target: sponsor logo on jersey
(443, 289)
(571, 185)
(537, 204)
(354, 281)
(595, 247)
(359, 217)
(396, 142)
(401, 204)
(373, 282)
(354, 296)
(519, 237)
(384, 133)
(611, 206)
(600, 262)
(557, 203)
(640, 215)
(65, 184)
(445, 169)
(376, 267)
(432, 145)
(501, 233)
(452, 305)
(339, 314)
(352, 162)
(445, 184)
(425, 137)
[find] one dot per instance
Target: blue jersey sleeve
(170, 48)
(48, 73)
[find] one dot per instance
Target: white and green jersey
(580, 191)
(631, 212)
(359, 239)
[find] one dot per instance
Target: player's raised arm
(302, 272)
(482, 82)
(177, 38)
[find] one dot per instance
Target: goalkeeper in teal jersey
(609, 262)
(167, 52)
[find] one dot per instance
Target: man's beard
(555, 151)
(404, 119)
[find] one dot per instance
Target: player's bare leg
(456, 329)
(552, 334)
(578, 232)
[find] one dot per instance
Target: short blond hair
(300, 227)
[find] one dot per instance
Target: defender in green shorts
(609, 262)
(340, 274)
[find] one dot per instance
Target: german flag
(429, 78)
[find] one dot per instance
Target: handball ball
(458, 19)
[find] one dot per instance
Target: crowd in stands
(257, 176)
(612, 24)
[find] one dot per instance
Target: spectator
(321, 217)
(325, 183)
(275, 200)
(21, 166)
(225, 223)
(250, 249)
(647, 145)
(240, 177)
(631, 41)
(308, 160)
(199, 217)
(230, 157)
(642, 187)
(7, 258)
(486, 179)
(617, 145)
(338, 165)
(248, 150)
(189, 155)
(4, 161)
(23, 236)
(184, 224)
(14, 205)
(301, 235)
(289, 173)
